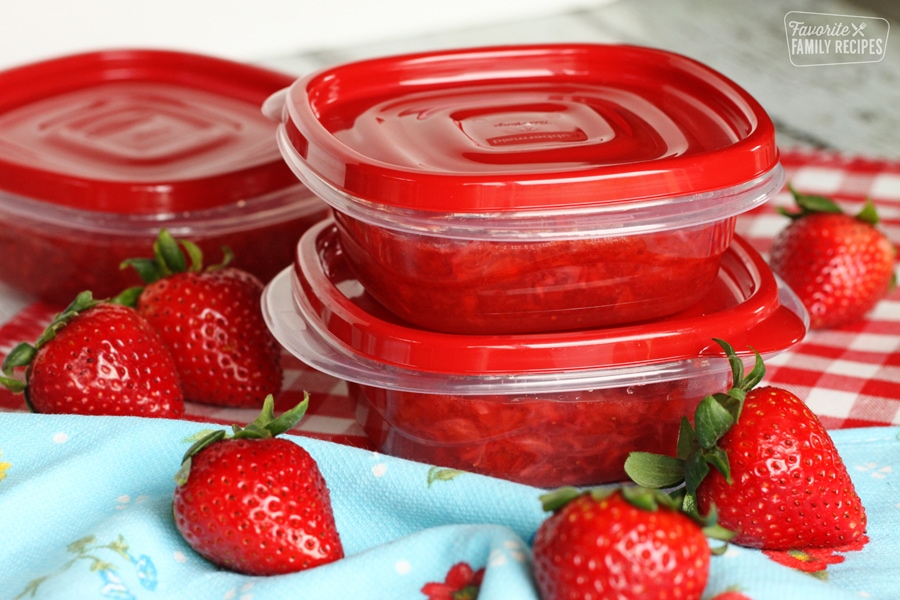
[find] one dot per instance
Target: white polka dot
(403, 567)
(61, 438)
(497, 558)
(379, 470)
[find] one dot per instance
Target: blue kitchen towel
(85, 512)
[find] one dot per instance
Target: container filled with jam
(545, 409)
(103, 149)
(528, 189)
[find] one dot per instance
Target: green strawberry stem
(644, 498)
(697, 450)
(809, 203)
(171, 256)
(266, 425)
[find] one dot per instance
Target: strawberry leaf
(718, 458)
(147, 268)
(654, 470)
(808, 203)
(695, 469)
(14, 385)
(736, 364)
(555, 500)
(868, 214)
(712, 421)
(127, 297)
(169, 257)
(20, 356)
(686, 439)
(289, 418)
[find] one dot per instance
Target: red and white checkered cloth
(850, 376)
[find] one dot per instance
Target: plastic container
(544, 409)
(530, 188)
(101, 150)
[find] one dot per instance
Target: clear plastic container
(101, 150)
(530, 188)
(545, 409)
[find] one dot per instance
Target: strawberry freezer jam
(534, 188)
(544, 440)
(547, 409)
(483, 286)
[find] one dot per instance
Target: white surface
(239, 29)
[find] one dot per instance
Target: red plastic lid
(139, 131)
(527, 127)
(745, 306)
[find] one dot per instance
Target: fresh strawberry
(98, 358)
(212, 321)
(255, 503)
(624, 543)
(765, 463)
(838, 264)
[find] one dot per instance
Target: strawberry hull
(545, 409)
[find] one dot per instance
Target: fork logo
(815, 39)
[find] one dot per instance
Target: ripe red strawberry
(624, 543)
(254, 503)
(97, 358)
(763, 460)
(838, 264)
(212, 321)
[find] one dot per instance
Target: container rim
(604, 219)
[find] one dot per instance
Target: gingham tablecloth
(849, 376)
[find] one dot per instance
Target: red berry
(623, 543)
(98, 358)
(212, 321)
(254, 503)
(789, 487)
(766, 463)
(839, 265)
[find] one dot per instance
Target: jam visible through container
(544, 440)
(484, 286)
(92, 262)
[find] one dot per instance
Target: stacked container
(531, 250)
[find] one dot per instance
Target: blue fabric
(85, 512)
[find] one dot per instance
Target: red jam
(56, 264)
(497, 287)
(544, 440)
